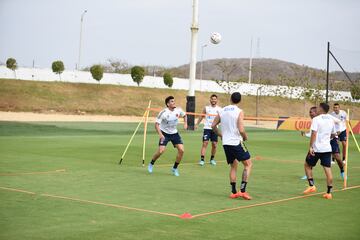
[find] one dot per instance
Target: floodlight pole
(327, 73)
(190, 99)
(81, 23)
(250, 63)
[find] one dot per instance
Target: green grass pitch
(89, 153)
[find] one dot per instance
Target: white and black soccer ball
(215, 38)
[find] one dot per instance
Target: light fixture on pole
(81, 23)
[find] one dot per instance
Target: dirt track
(55, 117)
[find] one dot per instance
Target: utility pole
(81, 23)
(190, 99)
(250, 63)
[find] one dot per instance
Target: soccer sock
(233, 187)
(202, 157)
(343, 158)
(212, 157)
(311, 182)
(152, 162)
(329, 189)
(243, 186)
(342, 169)
(175, 165)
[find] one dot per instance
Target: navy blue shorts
(334, 146)
(325, 159)
(238, 152)
(175, 139)
(209, 134)
(342, 136)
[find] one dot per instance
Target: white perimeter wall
(38, 74)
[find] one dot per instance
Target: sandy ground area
(57, 117)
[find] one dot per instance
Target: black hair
(167, 100)
(325, 107)
(336, 104)
(236, 97)
(213, 95)
(313, 108)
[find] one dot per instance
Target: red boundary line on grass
(92, 202)
(32, 173)
(267, 203)
(187, 215)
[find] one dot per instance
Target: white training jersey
(209, 119)
(168, 119)
(324, 126)
(342, 117)
(229, 116)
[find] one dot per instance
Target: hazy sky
(158, 31)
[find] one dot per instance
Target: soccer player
(322, 129)
(341, 115)
(165, 126)
(312, 114)
(213, 109)
(233, 136)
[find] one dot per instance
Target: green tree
(58, 67)
(97, 72)
(168, 79)
(11, 64)
(137, 74)
(355, 92)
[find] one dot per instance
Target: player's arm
(214, 126)
(158, 130)
(313, 129)
(241, 127)
(159, 118)
(201, 117)
(185, 122)
(312, 140)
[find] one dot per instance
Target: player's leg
(343, 143)
(157, 154)
(335, 149)
(245, 178)
(310, 162)
(232, 177)
(244, 156)
(178, 144)
(213, 152)
(329, 180)
(343, 140)
(325, 159)
(203, 152)
(340, 163)
(161, 149)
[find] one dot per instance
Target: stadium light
(190, 99)
(81, 22)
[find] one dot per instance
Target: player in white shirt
(341, 115)
(208, 134)
(322, 130)
(312, 114)
(333, 142)
(233, 136)
(165, 126)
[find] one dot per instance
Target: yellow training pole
(353, 135)
(346, 150)
(145, 130)
(132, 137)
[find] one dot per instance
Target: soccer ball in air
(215, 38)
